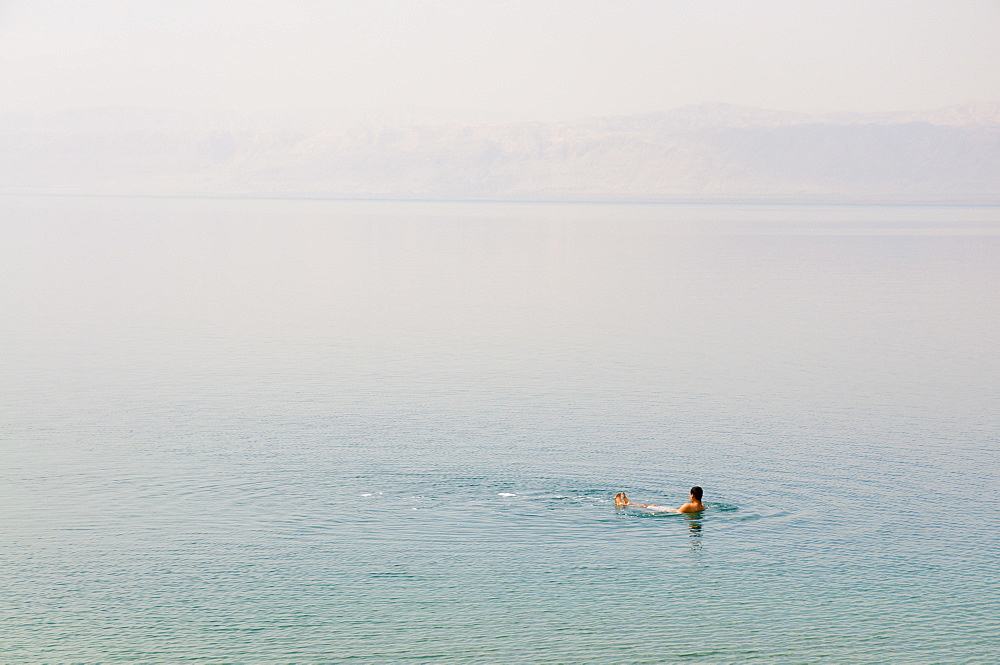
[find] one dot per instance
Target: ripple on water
(403, 444)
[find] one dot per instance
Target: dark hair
(696, 493)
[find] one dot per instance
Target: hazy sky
(506, 59)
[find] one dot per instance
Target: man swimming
(693, 506)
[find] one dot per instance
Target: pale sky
(514, 59)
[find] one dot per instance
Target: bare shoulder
(691, 508)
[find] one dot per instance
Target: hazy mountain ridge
(709, 151)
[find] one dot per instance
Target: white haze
(510, 60)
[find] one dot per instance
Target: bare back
(694, 506)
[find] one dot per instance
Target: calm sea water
(305, 432)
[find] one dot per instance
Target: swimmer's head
(696, 493)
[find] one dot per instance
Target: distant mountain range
(709, 152)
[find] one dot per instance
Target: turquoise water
(306, 431)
